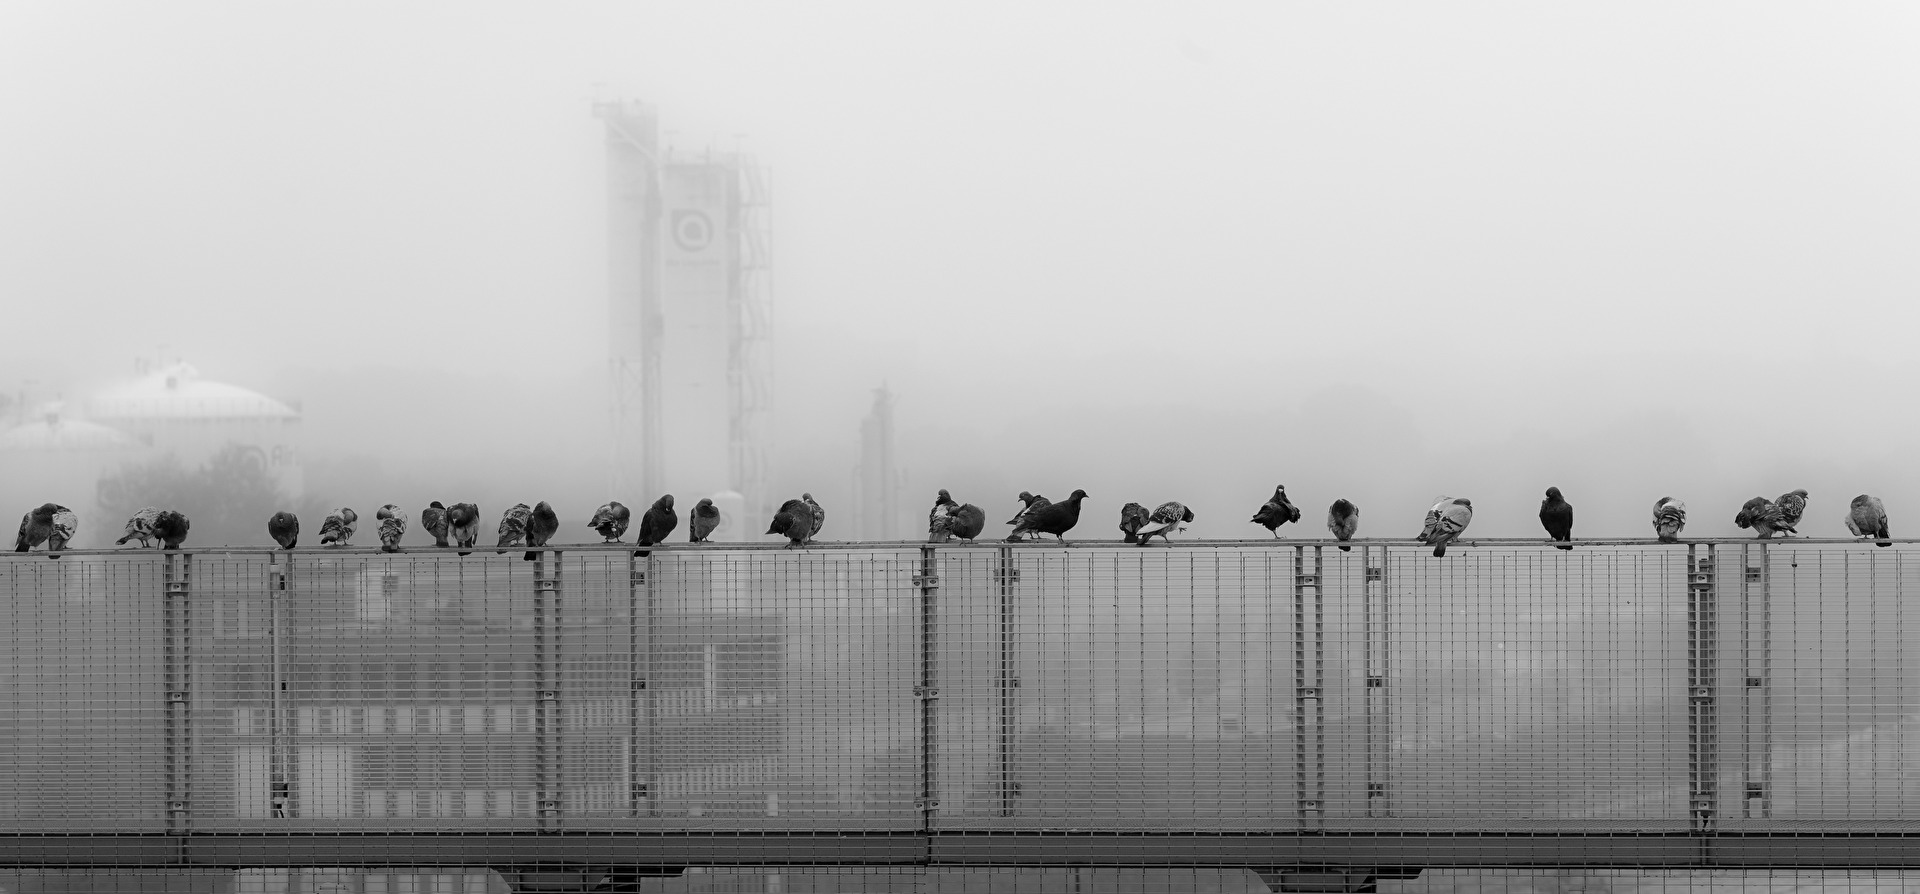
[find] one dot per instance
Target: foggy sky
(1383, 251)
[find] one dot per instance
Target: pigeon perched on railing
(513, 526)
(940, 517)
(819, 515)
(433, 520)
(1343, 519)
(1133, 517)
(140, 527)
(1761, 515)
(1170, 516)
(967, 521)
(284, 528)
(1669, 516)
(339, 527)
(1028, 503)
(171, 527)
(393, 526)
(1054, 518)
(51, 524)
(1867, 517)
(794, 521)
(1792, 505)
(658, 522)
(611, 521)
(1276, 512)
(1448, 517)
(1556, 515)
(463, 524)
(542, 524)
(701, 522)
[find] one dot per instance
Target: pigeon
(1054, 518)
(1669, 516)
(611, 521)
(1759, 514)
(819, 514)
(1448, 517)
(968, 521)
(1276, 512)
(338, 528)
(1168, 516)
(794, 521)
(1867, 517)
(513, 526)
(1556, 515)
(171, 527)
(1792, 505)
(51, 524)
(284, 528)
(1029, 503)
(658, 522)
(940, 518)
(463, 522)
(433, 520)
(140, 527)
(1132, 517)
(702, 520)
(393, 526)
(1343, 519)
(541, 526)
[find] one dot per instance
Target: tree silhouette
(228, 499)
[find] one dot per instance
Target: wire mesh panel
(1537, 688)
(83, 697)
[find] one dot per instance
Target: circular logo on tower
(692, 230)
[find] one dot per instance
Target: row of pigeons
(800, 521)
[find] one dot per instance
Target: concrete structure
(171, 409)
(52, 458)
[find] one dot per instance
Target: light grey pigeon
(339, 527)
(1867, 517)
(140, 527)
(940, 518)
(1448, 517)
(433, 520)
(702, 521)
(1343, 519)
(611, 521)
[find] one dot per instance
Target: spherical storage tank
(51, 458)
(173, 410)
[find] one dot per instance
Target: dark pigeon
(1028, 503)
(701, 522)
(611, 521)
(1792, 505)
(1556, 515)
(940, 518)
(1759, 514)
(541, 526)
(433, 520)
(968, 521)
(171, 527)
(1054, 518)
(463, 523)
(794, 521)
(51, 524)
(1343, 519)
(1277, 511)
(284, 528)
(658, 522)
(1132, 517)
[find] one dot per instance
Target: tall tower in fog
(689, 318)
(878, 481)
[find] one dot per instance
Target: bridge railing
(968, 700)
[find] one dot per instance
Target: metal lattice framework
(1257, 704)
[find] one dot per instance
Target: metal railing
(1236, 703)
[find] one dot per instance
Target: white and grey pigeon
(1168, 517)
(819, 515)
(393, 526)
(1792, 505)
(338, 529)
(140, 527)
(1669, 516)
(1343, 519)
(1867, 517)
(1448, 517)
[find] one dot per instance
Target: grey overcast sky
(1506, 226)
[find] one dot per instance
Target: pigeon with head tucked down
(794, 521)
(140, 527)
(1791, 505)
(1276, 512)
(542, 524)
(658, 522)
(1448, 517)
(940, 518)
(702, 521)
(1133, 516)
(1761, 515)
(1054, 518)
(1168, 517)
(1867, 517)
(463, 524)
(171, 527)
(967, 521)
(1556, 515)
(513, 526)
(611, 521)
(284, 528)
(1029, 503)
(433, 520)
(339, 527)
(51, 524)
(819, 514)
(1343, 519)
(393, 526)
(1669, 516)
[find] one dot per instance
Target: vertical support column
(177, 618)
(1309, 728)
(1007, 576)
(1756, 742)
(643, 713)
(280, 764)
(1379, 732)
(1702, 716)
(546, 677)
(928, 581)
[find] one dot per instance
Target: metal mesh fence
(1229, 688)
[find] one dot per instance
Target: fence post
(1702, 716)
(642, 712)
(1309, 691)
(1007, 576)
(1756, 741)
(1374, 630)
(178, 620)
(928, 582)
(279, 765)
(546, 673)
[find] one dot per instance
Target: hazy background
(1153, 251)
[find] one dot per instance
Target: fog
(1154, 252)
